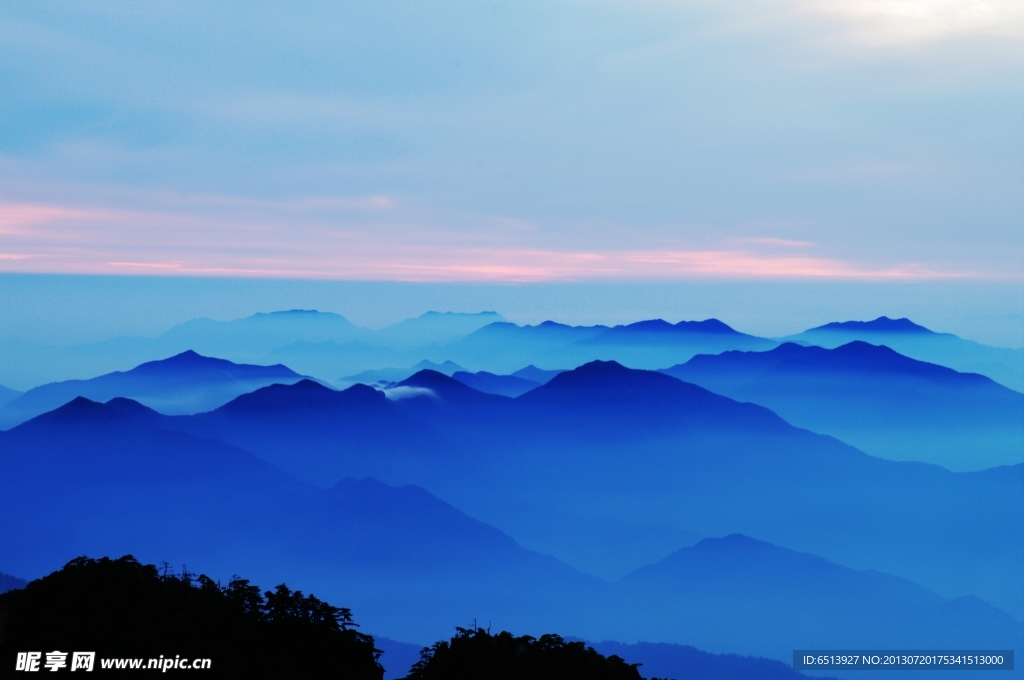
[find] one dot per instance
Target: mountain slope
(391, 374)
(1005, 366)
(95, 480)
(321, 435)
(106, 479)
(644, 448)
(8, 582)
(507, 385)
(628, 448)
(435, 328)
(500, 347)
(7, 395)
(185, 383)
(719, 583)
(884, 403)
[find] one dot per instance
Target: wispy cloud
(772, 241)
(61, 239)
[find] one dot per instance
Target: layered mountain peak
(304, 394)
(78, 411)
(430, 379)
(605, 377)
(882, 324)
(191, 361)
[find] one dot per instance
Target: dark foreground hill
(475, 653)
(124, 609)
(884, 403)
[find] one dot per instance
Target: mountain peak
(605, 377)
(78, 411)
(429, 378)
(882, 324)
(303, 395)
(433, 314)
(190, 360)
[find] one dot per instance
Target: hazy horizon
(54, 309)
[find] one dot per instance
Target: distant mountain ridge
(882, 324)
(391, 374)
(1004, 365)
(7, 395)
(794, 596)
(506, 385)
(868, 395)
(502, 347)
(181, 384)
(8, 582)
(662, 331)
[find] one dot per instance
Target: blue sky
(557, 141)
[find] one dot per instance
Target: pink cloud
(59, 239)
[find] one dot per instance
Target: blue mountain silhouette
(321, 435)
(260, 333)
(500, 347)
(95, 480)
(184, 383)
(534, 374)
(8, 582)
(106, 479)
(685, 662)
(646, 449)
(1005, 366)
(643, 447)
(798, 597)
(389, 375)
(876, 399)
(658, 331)
(882, 324)
(8, 395)
(506, 385)
(434, 328)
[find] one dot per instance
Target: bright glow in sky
(907, 22)
(855, 140)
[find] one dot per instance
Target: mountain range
(502, 347)
(109, 478)
(185, 383)
(548, 468)
(705, 463)
(1005, 366)
(392, 374)
(754, 498)
(884, 403)
(327, 345)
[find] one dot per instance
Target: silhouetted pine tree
(474, 654)
(121, 608)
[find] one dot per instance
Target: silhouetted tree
(122, 608)
(474, 654)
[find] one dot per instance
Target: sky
(874, 146)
